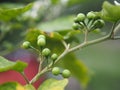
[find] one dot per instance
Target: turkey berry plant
(84, 23)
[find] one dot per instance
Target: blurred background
(102, 59)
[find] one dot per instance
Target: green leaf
(62, 23)
(53, 84)
(11, 86)
(8, 14)
(70, 35)
(56, 35)
(6, 65)
(110, 12)
(77, 68)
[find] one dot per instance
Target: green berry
(75, 26)
(91, 15)
(54, 56)
(66, 73)
(97, 30)
(41, 42)
(26, 45)
(99, 23)
(81, 17)
(46, 52)
(41, 36)
(56, 71)
(76, 20)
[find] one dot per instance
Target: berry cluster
(88, 22)
(41, 42)
(65, 73)
(46, 52)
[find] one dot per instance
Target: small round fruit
(26, 45)
(56, 71)
(66, 73)
(46, 52)
(41, 36)
(54, 56)
(75, 26)
(91, 15)
(99, 23)
(41, 42)
(75, 20)
(81, 17)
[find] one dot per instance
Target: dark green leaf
(110, 12)
(53, 84)
(8, 14)
(6, 65)
(77, 68)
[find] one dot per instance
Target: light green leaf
(62, 23)
(8, 14)
(77, 68)
(6, 65)
(53, 84)
(110, 12)
(11, 86)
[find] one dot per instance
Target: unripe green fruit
(54, 56)
(26, 45)
(66, 73)
(56, 71)
(41, 42)
(75, 26)
(99, 23)
(46, 52)
(41, 36)
(91, 15)
(76, 20)
(81, 17)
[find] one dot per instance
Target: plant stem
(63, 54)
(37, 76)
(86, 35)
(113, 30)
(64, 43)
(40, 64)
(117, 28)
(24, 76)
